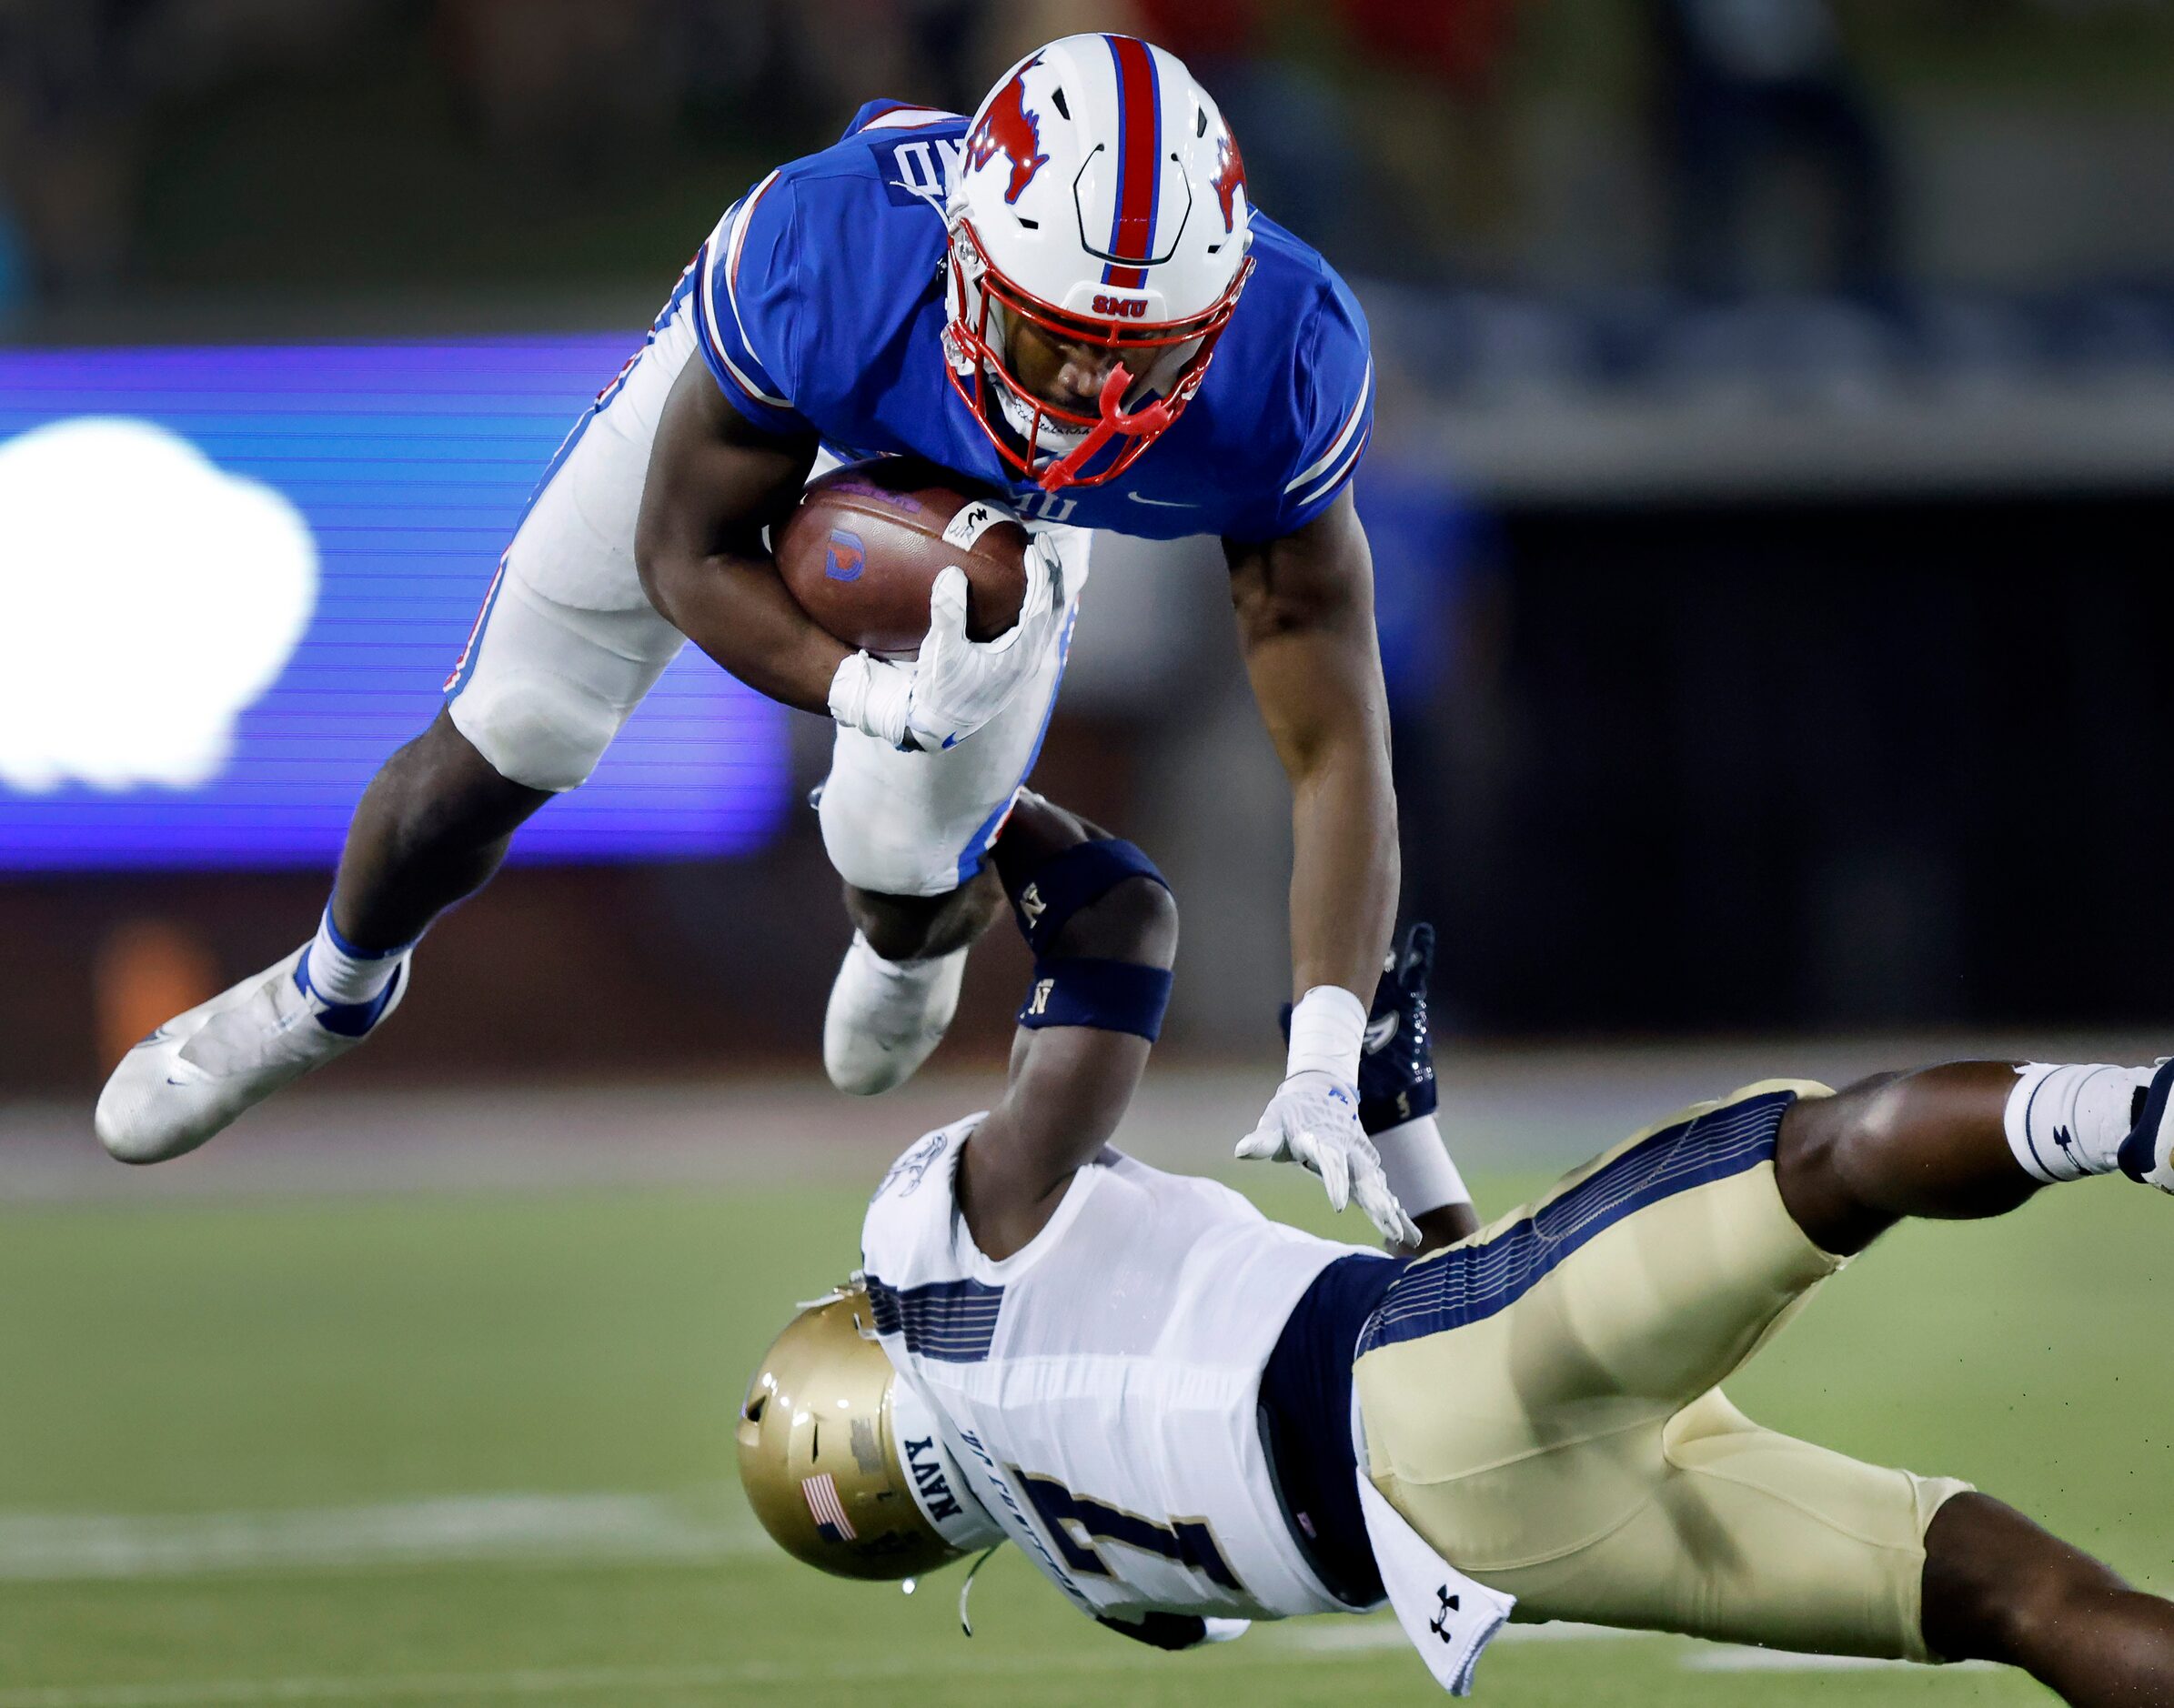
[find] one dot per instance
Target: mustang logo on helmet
(1007, 127)
(1230, 178)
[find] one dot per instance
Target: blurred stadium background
(1770, 505)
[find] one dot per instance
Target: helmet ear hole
(752, 1410)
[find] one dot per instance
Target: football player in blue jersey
(1068, 299)
(1189, 1416)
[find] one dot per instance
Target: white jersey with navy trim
(1100, 1388)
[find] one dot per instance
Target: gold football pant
(1540, 1403)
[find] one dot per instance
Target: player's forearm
(1345, 867)
(714, 481)
(738, 612)
(1304, 605)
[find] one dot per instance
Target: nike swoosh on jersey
(1161, 504)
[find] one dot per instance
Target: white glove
(956, 685)
(1313, 1120)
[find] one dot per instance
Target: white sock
(343, 974)
(2067, 1120)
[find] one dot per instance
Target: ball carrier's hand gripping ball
(841, 1463)
(1101, 200)
(861, 552)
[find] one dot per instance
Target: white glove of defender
(1314, 1121)
(956, 685)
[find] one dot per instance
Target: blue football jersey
(822, 307)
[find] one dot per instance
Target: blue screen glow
(233, 581)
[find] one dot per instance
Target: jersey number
(1046, 507)
(1077, 1523)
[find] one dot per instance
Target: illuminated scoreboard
(233, 581)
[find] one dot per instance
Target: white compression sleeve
(1418, 1167)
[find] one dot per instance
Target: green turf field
(446, 1450)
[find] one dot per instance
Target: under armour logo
(1038, 1003)
(1031, 904)
(1439, 1623)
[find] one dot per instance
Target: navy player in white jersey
(1189, 1417)
(1068, 300)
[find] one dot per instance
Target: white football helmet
(1102, 199)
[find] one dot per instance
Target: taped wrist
(1328, 1029)
(1080, 876)
(872, 697)
(1113, 996)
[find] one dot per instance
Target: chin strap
(967, 1588)
(1148, 418)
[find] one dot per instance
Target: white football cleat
(196, 1073)
(2147, 1153)
(886, 1016)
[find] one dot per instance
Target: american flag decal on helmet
(826, 1508)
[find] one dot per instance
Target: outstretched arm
(1305, 605)
(1101, 976)
(1305, 622)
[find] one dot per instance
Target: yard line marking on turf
(59, 1547)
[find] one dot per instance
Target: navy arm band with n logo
(1063, 884)
(1113, 996)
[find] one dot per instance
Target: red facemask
(1130, 432)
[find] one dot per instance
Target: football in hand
(868, 541)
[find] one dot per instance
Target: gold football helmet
(842, 1462)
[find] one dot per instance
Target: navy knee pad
(1065, 883)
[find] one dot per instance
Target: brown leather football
(868, 540)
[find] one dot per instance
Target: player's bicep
(1305, 608)
(715, 480)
